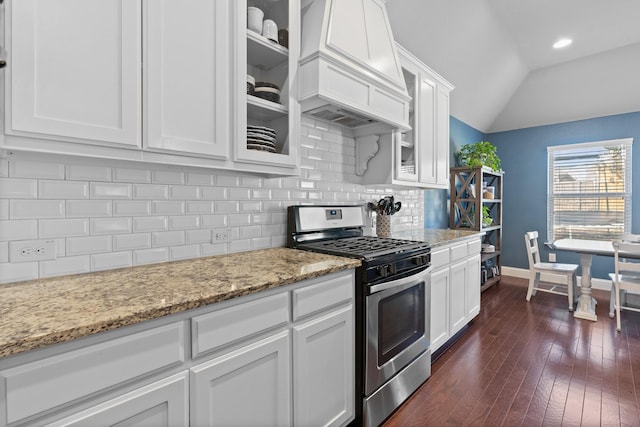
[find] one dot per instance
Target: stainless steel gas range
(392, 291)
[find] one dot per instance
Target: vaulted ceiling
(498, 54)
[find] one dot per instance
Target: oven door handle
(399, 283)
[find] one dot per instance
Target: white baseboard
(602, 284)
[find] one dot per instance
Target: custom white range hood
(349, 68)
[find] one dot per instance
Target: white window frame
(625, 194)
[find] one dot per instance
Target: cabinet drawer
(440, 258)
(475, 247)
(321, 295)
(45, 384)
(222, 327)
(459, 252)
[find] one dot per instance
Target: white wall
(106, 215)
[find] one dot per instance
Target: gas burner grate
(364, 246)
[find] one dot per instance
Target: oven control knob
(421, 260)
(393, 269)
(383, 270)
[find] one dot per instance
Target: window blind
(589, 190)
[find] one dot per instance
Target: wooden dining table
(586, 308)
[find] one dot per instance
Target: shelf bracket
(366, 148)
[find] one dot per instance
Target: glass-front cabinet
(268, 113)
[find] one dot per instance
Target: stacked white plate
(261, 138)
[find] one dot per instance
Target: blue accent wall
(523, 153)
(436, 202)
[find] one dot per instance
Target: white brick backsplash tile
(167, 238)
(127, 242)
(88, 208)
(103, 190)
(273, 229)
(18, 188)
(261, 243)
(195, 208)
(274, 206)
(239, 219)
(213, 193)
(184, 192)
(131, 175)
(168, 208)
(50, 228)
(272, 183)
(18, 272)
(226, 207)
(110, 261)
(261, 218)
(198, 236)
(167, 177)
(66, 265)
(63, 189)
(31, 169)
(4, 252)
(240, 246)
(131, 208)
(88, 173)
(151, 223)
(34, 209)
(250, 181)
(239, 193)
(315, 195)
(18, 230)
(184, 252)
(184, 222)
(102, 226)
(88, 245)
(150, 192)
(260, 194)
(280, 194)
(4, 209)
(249, 232)
(290, 183)
(227, 181)
(250, 206)
(213, 220)
(150, 256)
(210, 249)
(199, 179)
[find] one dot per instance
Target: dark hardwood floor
(533, 364)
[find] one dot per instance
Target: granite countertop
(38, 313)
(436, 236)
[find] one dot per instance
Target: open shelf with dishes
(269, 115)
(476, 204)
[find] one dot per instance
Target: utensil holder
(383, 225)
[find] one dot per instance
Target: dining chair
(537, 268)
(625, 278)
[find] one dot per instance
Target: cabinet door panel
(439, 308)
(441, 141)
(187, 93)
(75, 70)
(161, 404)
(473, 287)
(247, 387)
(457, 299)
(426, 129)
(324, 370)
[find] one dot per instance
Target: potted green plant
(486, 217)
(482, 153)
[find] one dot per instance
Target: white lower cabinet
(323, 370)
(281, 358)
(455, 289)
(247, 387)
(160, 404)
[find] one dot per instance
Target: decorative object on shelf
(261, 138)
(482, 153)
(489, 192)
(254, 19)
(384, 209)
(270, 30)
(486, 217)
(268, 91)
(251, 84)
(283, 38)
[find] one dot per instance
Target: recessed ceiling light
(562, 43)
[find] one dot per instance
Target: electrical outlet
(552, 257)
(222, 235)
(32, 250)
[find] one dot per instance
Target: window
(589, 193)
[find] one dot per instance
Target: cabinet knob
(3, 63)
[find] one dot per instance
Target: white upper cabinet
(187, 96)
(74, 70)
(419, 156)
